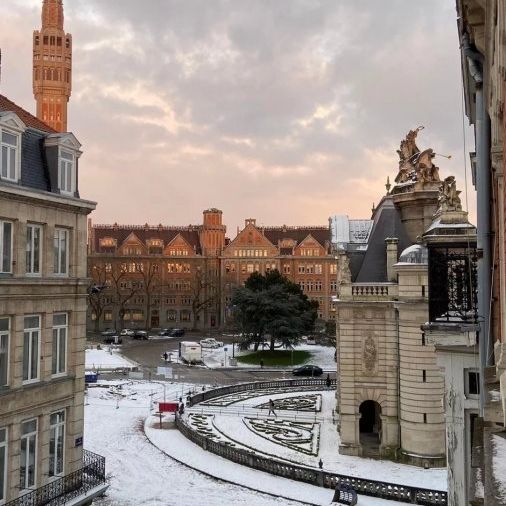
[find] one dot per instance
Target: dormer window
(66, 172)
(9, 156)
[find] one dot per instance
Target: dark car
(177, 333)
(112, 339)
(140, 334)
(165, 332)
(308, 370)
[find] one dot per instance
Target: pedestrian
(261, 363)
(271, 408)
(320, 464)
(327, 381)
(165, 356)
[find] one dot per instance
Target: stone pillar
(391, 245)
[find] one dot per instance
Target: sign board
(168, 373)
(79, 441)
(167, 407)
(137, 375)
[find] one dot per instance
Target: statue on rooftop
(426, 171)
(449, 199)
(407, 151)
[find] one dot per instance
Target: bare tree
(98, 298)
(203, 293)
(149, 273)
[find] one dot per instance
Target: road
(148, 355)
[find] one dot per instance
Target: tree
(203, 294)
(97, 295)
(271, 305)
(149, 273)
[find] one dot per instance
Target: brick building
(163, 276)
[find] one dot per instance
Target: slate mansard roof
(277, 234)
(38, 170)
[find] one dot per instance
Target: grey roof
(387, 223)
(34, 173)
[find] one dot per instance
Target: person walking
(165, 356)
(271, 408)
(327, 381)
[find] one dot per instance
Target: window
(108, 315)
(5, 246)
(472, 383)
(4, 353)
(333, 268)
(28, 461)
(31, 348)
(33, 248)
(10, 153)
(286, 269)
(66, 175)
(3, 463)
(250, 268)
(185, 316)
(56, 443)
(318, 268)
(302, 268)
(60, 330)
(424, 375)
(137, 315)
(171, 315)
(61, 246)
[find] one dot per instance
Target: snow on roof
(345, 231)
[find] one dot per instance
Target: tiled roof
(298, 234)
(143, 233)
(28, 119)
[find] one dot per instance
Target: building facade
(159, 276)
(43, 300)
(390, 390)
(52, 67)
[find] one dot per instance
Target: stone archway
(370, 427)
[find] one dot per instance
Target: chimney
(391, 246)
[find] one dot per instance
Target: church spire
(52, 66)
(52, 14)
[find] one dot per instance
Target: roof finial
(388, 185)
(373, 208)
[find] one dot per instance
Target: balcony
(79, 487)
(374, 291)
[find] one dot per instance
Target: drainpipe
(397, 337)
(482, 136)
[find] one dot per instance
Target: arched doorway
(370, 427)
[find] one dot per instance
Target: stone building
(168, 276)
(390, 390)
(43, 292)
(52, 67)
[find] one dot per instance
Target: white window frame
(30, 252)
(10, 147)
(6, 334)
(27, 436)
(60, 333)
(31, 331)
(57, 251)
(69, 166)
(59, 429)
(2, 232)
(4, 447)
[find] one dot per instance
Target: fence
(60, 491)
(380, 489)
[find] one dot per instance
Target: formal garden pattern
(303, 437)
(309, 402)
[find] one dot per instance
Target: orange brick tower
(212, 234)
(52, 67)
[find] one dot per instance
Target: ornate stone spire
(52, 14)
(52, 67)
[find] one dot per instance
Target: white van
(190, 351)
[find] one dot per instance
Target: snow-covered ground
(138, 472)
(499, 463)
(119, 420)
(106, 359)
(322, 356)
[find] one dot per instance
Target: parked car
(127, 332)
(112, 339)
(140, 334)
(165, 332)
(177, 333)
(210, 342)
(308, 370)
(108, 332)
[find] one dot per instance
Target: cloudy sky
(288, 111)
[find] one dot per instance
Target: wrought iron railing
(452, 284)
(61, 490)
(365, 486)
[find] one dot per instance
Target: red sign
(167, 407)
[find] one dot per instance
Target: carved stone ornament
(415, 165)
(449, 199)
(369, 355)
(344, 268)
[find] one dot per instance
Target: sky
(287, 111)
